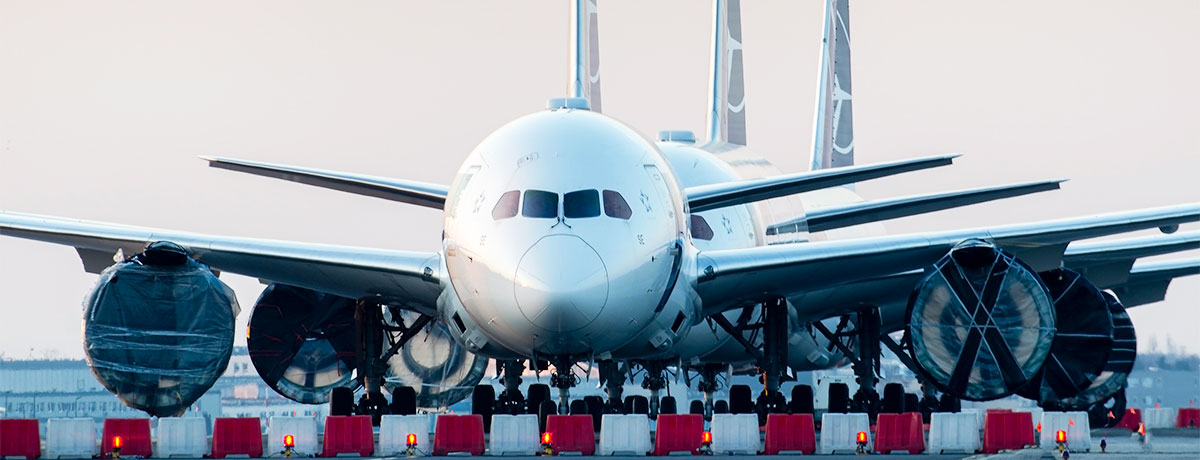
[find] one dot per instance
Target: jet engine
(1082, 342)
(158, 329)
(303, 345)
(980, 323)
(1110, 382)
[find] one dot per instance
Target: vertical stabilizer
(585, 53)
(727, 106)
(833, 129)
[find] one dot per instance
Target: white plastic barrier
(394, 431)
(954, 432)
(303, 431)
(839, 432)
(1035, 413)
(71, 438)
(1163, 417)
(514, 435)
(978, 413)
(624, 435)
(735, 434)
(181, 437)
(1079, 433)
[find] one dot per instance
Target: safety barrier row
(518, 434)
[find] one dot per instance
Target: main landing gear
(865, 361)
(772, 359)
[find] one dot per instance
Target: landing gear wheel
(641, 405)
(538, 392)
(341, 401)
(802, 400)
(404, 401)
(739, 400)
(950, 403)
(839, 399)
(696, 407)
(980, 312)
(893, 399)
(773, 403)
(545, 409)
(595, 408)
(721, 407)
(579, 407)
(483, 402)
(667, 405)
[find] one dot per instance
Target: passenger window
(700, 229)
(540, 204)
(580, 204)
(507, 206)
(615, 205)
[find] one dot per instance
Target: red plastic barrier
(572, 433)
(458, 433)
(134, 433)
(1188, 417)
(19, 438)
(900, 432)
(678, 433)
(348, 435)
(1007, 430)
(1131, 420)
(237, 436)
(790, 433)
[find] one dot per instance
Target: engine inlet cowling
(980, 322)
(158, 329)
(1082, 341)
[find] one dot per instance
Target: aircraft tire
(483, 402)
(545, 409)
(341, 401)
(595, 408)
(404, 401)
(721, 407)
(839, 398)
(740, 401)
(802, 400)
(537, 393)
(696, 407)
(893, 398)
(579, 407)
(641, 405)
(667, 405)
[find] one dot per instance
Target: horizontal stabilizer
(411, 192)
(1148, 282)
(1108, 263)
(713, 196)
(819, 220)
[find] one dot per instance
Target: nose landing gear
(564, 379)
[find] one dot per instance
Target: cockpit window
(615, 205)
(507, 205)
(580, 204)
(700, 229)
(539, 203)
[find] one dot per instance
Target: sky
(104, 108)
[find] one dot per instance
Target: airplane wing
(729, 278)
(1108, 263)
(713, 196)
(829, 218)
(1148, 281)
(411, 192)
(400, 277)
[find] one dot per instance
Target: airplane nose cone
(562, 283)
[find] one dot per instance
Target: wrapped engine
(158, 329)
(980, 323)
(1082, 343)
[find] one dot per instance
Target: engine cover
(433, 363)
(302, 342)
(1081, 343)
(980, 322)
(158, 329)
(1117, 367)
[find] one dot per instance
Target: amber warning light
(1060, 436)
(289, 441)
(117, 442)
(412, 440)
(706, 437)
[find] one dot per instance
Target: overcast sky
(105, 106)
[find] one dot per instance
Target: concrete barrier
(1076, 426)
(735, 434)
(181, 437)
(624, 435)
(71, 438)
(302, 429)
(839, 432)
(394, 431)
(514, 435)
(1159, 417)
(954, 432)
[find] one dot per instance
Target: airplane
(630, 224)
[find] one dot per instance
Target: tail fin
(727, 108)
(833, 131)
(585, 53)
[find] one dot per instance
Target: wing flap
(822, 219)
(400, 277)
(411, 192)
(713, 196)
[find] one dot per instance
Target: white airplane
(568, 237)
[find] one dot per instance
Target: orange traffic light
(289, 441)
(1060, 436)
